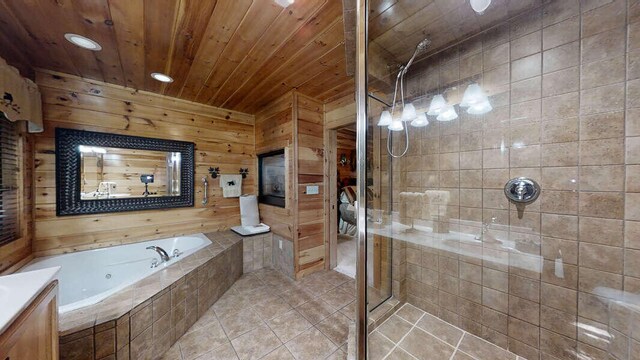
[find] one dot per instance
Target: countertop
(18, 290)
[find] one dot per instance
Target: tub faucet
(163, 254)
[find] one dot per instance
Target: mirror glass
(113, 173)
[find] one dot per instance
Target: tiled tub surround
(144, 320)
(256, 252)
(564, 82)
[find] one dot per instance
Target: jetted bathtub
(87, 277)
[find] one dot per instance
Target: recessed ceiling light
(83, 42)
(162, 77)
(284, 3)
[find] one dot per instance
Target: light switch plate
(312, 190)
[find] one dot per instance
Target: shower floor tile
(414, 334)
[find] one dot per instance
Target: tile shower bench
(143, 320)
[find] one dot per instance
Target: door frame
(331, 180)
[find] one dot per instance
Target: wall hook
(214, 171)
(244, 172)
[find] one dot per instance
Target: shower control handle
(522, 190)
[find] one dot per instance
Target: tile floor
(265, 315)
(411, 333)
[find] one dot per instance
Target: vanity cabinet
(34, 333)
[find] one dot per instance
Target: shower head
(420, 48)
(423, 45)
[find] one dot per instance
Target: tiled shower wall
(564, 82)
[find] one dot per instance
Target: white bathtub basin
(87, 277)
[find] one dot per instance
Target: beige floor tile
(349, 310)
(336, 328)
(297, 297)
(202, 340)
(399, 354)
(395, 328)
(481, 349)
(410, 313)
(311, 345)
(425, 346)
(271, 308)
(316, 286)
(459, 355)
(247, 283)
(281, 353)
(289, 325)
(173, 353)
(336, 278)
(440, 329)
(224, 352)
(337, 298)
(256, 343)
(338, 355)
(315, 310)
(379, 346)
(238, 323)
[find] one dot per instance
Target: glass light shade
(448, 114)
(473, 95)
(396, 125)
(480, 109)
(284, 3)
(420, 121)
(385, 119)
(480, 6)
(409, 112)
(438, 104)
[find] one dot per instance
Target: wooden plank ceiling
(236, 54)
(397, 26)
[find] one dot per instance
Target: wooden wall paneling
(222, 138)
(274, 131)
(129, 97)
(310, 226)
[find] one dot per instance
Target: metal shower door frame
(361, 151)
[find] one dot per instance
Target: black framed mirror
(104, 173)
